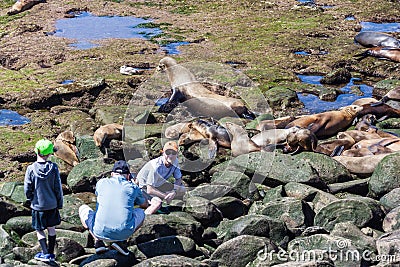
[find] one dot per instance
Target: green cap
(44, 147)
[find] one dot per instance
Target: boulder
(10, 209)
(14, 191)
(386, 176)
(87, 148)
(20, 224)
(212, 191)
(321, 246)
(296, 214)
(203, 210)
(361, 211)
(258, 225)
(84, 176)
(81, 238)
(241, 250)
(230, 207)
(168, 245)
(6, 242)
(171, 260)
(239, 181)
(273, 169)
(308, 193)
(388, 246)
(391, 200)
(175, 223)
(392, 220)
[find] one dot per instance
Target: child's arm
(28, 185)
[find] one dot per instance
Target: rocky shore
(257, 209)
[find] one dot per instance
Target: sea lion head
(351, 110)
(165, 63)
(67, 136)
(299, 140)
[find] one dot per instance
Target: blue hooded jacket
(42, 186)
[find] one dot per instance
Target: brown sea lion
(328, 123)
(278, 123)
(391, 143)
(66, 149)
(367, 121)
(390, 53)
(198, 99)
(357, 135)
(372, 150)
(393, 94)
(107, 132)
(330, 147)
(173, 131)
(360, 165)
(300, 140)
(240, 143)
(212, 130)
(364, 101)
(381, 111)
(273, 136)
(22, 5)
(371, 39)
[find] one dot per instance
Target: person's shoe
(42, 257)
(120, 249)
(52, 257)
(100, 247)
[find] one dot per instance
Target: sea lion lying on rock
(198, 99)
(360, 165)
(22, 5)
(273, 136)
(107, 132)
(66, 149)
(328, 123)
(300, 140)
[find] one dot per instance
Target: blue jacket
(116, 198)
(42, 186)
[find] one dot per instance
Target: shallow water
(86, 29)
(312, 103)
(380, 27)
(9, 117)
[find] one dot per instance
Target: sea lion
(381, 111)
(107, 132)
(364, 101)
(371, 39)
(278, 123)
(367, 121)
(372, 150)
(22, 5)
(360, 165)
(335, 147)
(198, 99)
(328, 123)
(212, 130)
(240, 143)
(173, 131)
(273, 136)
(357, 135)
(393, 94)
(66, 149)
(300, 140)
(392, 143)
(390, 53)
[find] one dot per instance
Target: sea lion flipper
(337, 151)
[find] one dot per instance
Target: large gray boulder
(241, 183)
(203, 210)
(273, 168)
(6, 242)
(168, 245)
(175, 223)
(392, 220)
(308, 193)
(241, 250)
(84, 176)
(14, 191)
(391, 200)
(386, 176)
(230, 207)
(321, 246)
(81, 238)
(10, 209)
(296, 214)
(361, 211)
(171, 260)
(388, 246)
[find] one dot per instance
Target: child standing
(43, 189)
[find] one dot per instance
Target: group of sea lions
(379, 45)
